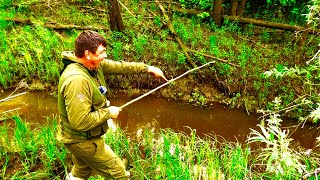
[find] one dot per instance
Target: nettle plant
(277, 156)
(314, 12)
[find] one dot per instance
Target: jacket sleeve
(78, 94)
(122, 67)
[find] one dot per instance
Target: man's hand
(114, 111)
(156, 72)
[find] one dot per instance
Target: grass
(31, 53)
(152, 154)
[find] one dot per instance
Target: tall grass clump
(53, 156)
(170, 155)
(36, 49)
(31, 153)
(235, 160)
(7, 72)
(26, 148)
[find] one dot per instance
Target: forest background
(261, 48)
(266, 52)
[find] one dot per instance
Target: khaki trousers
(94, 154)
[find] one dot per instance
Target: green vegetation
(272, 67)
(28, 153)
(32, 52)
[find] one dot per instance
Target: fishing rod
(168, 82)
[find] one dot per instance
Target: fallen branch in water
(5, 112)
(4, 115)
(10, 97)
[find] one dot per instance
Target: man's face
(97, 57)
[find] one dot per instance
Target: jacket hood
(69, 55)
(68, 58)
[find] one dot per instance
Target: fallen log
(55, 26)
(271, 24)
(253, 21)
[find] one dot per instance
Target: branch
(126, 8)
(11, 110)
(183, 47)
(188, 11)
(89, 8)
(213, 57)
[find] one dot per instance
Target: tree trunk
(234, 7)
(300, 44)
(241, 8)
(116, 23)
(216, 13)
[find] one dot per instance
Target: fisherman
(84, 109)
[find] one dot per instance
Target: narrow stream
(157, 112)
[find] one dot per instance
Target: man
(84, 109)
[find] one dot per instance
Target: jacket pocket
(98, 131)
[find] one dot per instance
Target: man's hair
(88, 40)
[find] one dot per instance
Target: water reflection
(156, 112)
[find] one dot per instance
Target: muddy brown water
(156, 112)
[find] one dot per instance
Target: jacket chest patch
(81, 97)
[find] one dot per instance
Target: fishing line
(168, 82)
